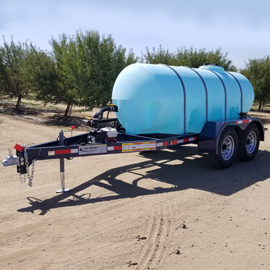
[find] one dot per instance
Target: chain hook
(30, 177)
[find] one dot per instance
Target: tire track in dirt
(152, 230)
(165, 236)
(158, 229)
(159, 232)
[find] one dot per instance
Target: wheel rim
(227, 148)
(251, 142)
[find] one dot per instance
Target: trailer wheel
(227, 149)
(249, 141)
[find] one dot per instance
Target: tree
(159, 56)
(41, 75)
(99, 61)
(13, 67)
(50, 74)
(65, 85)
(81, 70)
(196, 58)
(258, 72)
(188, 57)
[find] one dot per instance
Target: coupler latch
(10, 160)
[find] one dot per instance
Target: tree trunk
(68, 108)
(260, 106)
(18, 102)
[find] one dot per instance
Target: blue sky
(241, 28)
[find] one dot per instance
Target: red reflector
(186, 140)
(165, 143)
(61, 152)
(195, 138)
(18, 147)
(243, 121)
(118, 147)
(174, 142)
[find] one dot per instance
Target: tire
(249, 141)
(227, 149)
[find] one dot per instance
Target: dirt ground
(162, 210)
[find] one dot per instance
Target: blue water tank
(178, 100)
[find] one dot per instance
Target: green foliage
(196, 58)
(13, 70)
(258, 72)
(188, 57)
(65, 89)
(99, 61)
(41, 74)
(80, 71)
(158, 56)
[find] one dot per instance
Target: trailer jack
(62, 165)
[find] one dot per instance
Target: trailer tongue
(96, 142)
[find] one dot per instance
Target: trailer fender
(208, 138)
(261, 128)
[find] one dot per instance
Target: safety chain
(22, 178)
(30, 177)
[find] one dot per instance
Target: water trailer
(159, 107)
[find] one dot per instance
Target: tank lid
(213, 67)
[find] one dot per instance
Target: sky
(240, 28)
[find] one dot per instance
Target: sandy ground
(164, 210)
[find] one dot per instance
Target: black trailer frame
(82, 146)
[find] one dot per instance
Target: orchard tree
(50, 75)
(81, 70)
(196, 58)
(99, 61)
(188, 57)
(158, 56)
(42, 75)
(66, 90)
(13, 69)
(258, 72)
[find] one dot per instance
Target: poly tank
(178, 100)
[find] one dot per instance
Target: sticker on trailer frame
(92, 149)
(140, 146)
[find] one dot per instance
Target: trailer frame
(85, 144)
